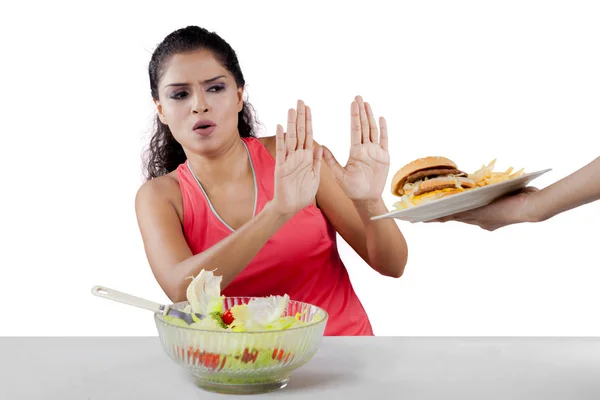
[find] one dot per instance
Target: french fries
(486, 176)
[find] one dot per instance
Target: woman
(263, 212)
(533, 205)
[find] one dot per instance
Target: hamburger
(427, 179)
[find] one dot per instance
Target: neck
(229, 164)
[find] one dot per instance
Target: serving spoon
(162, 309)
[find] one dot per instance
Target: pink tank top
(300, 259)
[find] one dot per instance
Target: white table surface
(98, 368)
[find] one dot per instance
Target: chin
(208, 145)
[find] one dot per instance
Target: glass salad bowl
(245, 362)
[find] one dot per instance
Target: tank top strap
(264, 168)
(261, 157)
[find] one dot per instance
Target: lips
(203, 124)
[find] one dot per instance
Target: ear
(240, 93)
(159, 110)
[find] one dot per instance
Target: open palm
(298, 162)
(365, 173)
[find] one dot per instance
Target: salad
(259, 314)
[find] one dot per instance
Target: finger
(290, 135)
(317, 158)
(301, 124)
(355, 134)
(364, 121)
(383, 135)
(309, 131)
(336, 168)
(279, 146)
(373, 131)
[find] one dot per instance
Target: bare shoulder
(270, 144)
(158, 209)
(159, 192)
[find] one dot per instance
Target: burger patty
(434, 188)
(444, 183)
(424, 173)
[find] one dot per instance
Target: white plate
(460, 202)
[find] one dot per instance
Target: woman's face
(199, 101)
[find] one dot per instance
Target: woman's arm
(171, 259)
(380, 243)
(351, 195)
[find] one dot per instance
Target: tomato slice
(228, 317)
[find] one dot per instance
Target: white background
(513, 80)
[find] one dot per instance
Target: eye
(178, 95)
(216, 88)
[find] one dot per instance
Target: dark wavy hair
(164, 153)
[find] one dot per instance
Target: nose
(199, 103)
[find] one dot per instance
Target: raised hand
(365, 173)
(298, 163)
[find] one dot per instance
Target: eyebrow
(201, 82)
